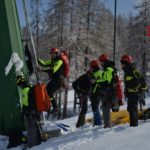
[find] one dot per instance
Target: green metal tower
(10, 41)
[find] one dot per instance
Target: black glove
(141, 94)
(115, 108)
(142, 101)
(142, 98)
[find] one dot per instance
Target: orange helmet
(54, 50)
(94, 63)
(126, 59)
(103, 58)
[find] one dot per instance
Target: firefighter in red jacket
(135, 86)
(54, 67)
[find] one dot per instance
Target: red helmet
(54, 50)
(94, 63)
(126, 58)
(103, 58)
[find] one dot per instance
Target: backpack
(64, 57)
(116, 83)
(119, 91)
(42, 99)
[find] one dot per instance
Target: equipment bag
(119, 91)
(42, 98)
(65, 59)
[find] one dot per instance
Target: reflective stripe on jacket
(134, 81)
(105, 79)
(54, 65)
(107, 75)
(97, 77)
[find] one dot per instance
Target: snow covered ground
(120, 137)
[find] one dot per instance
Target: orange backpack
(42, 99)
(65, 59)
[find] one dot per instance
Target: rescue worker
(29, 111)
(82, 86)
(117, 93)
(135, 85)
(104, 86)
(54, 67)
(95, 96)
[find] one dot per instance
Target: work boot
(81, 121)
(133, 118)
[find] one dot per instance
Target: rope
(31, 36)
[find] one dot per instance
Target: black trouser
(106, 100)
(33, 131)
(84, 103)
(105, 96)
(84, 106)
(95, 101)
(132, 107)
(51, 87)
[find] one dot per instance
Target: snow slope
(120, 137)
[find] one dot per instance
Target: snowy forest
(84, 118)
(85, 28)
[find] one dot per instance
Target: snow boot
(133, 118)
(16, 137)
(81, 121)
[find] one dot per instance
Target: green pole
(10, 41)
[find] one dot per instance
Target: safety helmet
(94, 64)
(103, 58)
(126, 59)
(20, 79)
(53, 50)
